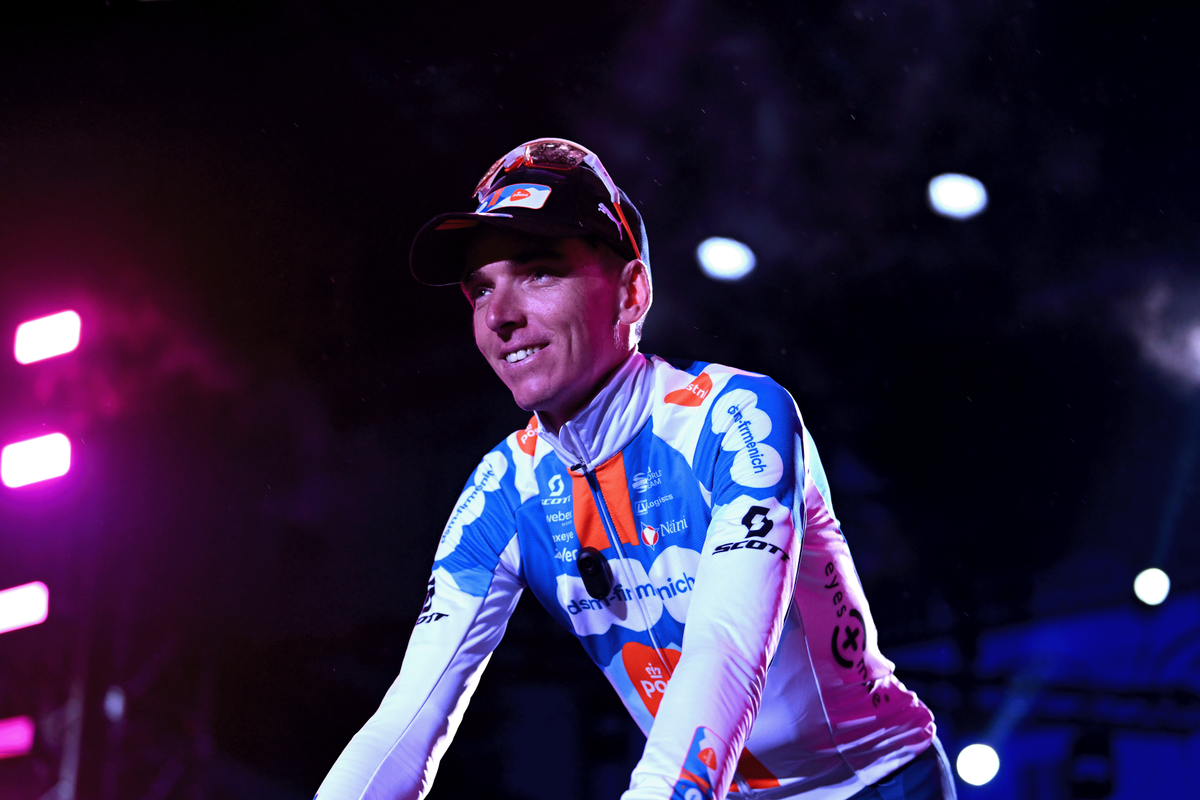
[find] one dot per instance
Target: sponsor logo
(671, 588)
(471, 502)
(849, 651)
(698, 775)
(644, 481)
(693, 394)
(651, 534)
(564, 537)
(567, 556)
(751, 447)
(555, 501)
(556, 485)
(429, 591)
(431, 617)
(645, 505)
(751, 521)
(757, 525)
(649, 672)
(527, 439)
(744, 428)
(751, 544)
(559, 516)
(641, 598)
(518, 195)
(604, 210)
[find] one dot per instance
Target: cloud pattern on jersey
(755, 463)
(471, 502)
(668, 586)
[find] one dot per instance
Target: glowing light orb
(16, 736)
(34, 460)
(1152, 586)
(22, 606)
(47, 337)
(957, 196)
(725, 259)
(114, 704)
(977, 764)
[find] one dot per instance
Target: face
(548, 317)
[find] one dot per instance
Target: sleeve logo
(745, 427)
(693, 394)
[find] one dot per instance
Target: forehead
(491, 245)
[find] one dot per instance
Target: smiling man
(675, 518)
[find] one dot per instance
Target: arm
(475, 586)
(743, 589)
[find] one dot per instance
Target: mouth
(517, 356)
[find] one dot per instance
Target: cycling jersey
(734, 626)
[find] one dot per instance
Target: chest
(646, 512)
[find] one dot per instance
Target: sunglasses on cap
(556, 154)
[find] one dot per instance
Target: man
(643, 501)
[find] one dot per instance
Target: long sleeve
(475, 585)
(744, 585)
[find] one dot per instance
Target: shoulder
(712, 387)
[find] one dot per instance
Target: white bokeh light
(725, 259)
(22, 606)
(977, 764)
(1152, 586)
(957, 196)
(47, 337)
(34, 460)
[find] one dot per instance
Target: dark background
(271, 420)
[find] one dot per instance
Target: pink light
(33, 460)
(47, 337)
(22, 606)
(16, 737)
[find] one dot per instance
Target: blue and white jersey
(734, 627)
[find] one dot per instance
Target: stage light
(22, 606)
(47, 337)
(725, 259)
(16, 737)
(977, 764)
(34, 460)
(957, 196)
(1152, 586)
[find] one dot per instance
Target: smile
(521, 355)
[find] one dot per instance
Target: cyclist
(675, 518)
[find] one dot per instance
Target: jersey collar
(603, 427)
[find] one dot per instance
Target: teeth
(521, 355)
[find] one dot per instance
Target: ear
(635, 294)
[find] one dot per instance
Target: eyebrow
(523, 257)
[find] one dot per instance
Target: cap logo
(604, 209)
(517, 195)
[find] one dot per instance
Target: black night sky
(272, 420)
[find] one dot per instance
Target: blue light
(957, 196)
(725, 259)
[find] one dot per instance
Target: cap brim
(439, 252)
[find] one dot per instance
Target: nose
(505, 311)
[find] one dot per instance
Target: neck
(613, 414)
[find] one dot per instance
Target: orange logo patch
(693, 394)
(520, 194)
(648, 673)
(527, 439)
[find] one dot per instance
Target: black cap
(542, 202)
